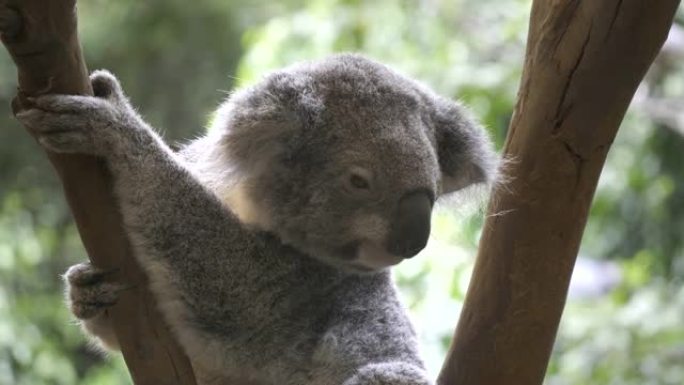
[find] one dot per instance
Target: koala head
(344, 158)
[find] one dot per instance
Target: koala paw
(389, 373)
(82, 124)
(69, 123)
(88, 294)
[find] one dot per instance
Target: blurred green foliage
(178, 61)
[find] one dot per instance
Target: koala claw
(88, 294)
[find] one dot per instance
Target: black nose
(410, 228)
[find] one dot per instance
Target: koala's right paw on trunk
(88, 292)
(89, 295)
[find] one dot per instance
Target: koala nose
(410, 228)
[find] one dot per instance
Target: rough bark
(42, 39)
(584, 62)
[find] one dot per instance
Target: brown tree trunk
(584, 62)
(42, 40)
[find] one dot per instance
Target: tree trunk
(42, 39)
(584, 62)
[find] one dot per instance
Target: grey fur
(244, 232)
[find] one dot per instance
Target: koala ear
(252, 140)
(258, 125)
(464, 149)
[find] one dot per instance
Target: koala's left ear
(465, 151)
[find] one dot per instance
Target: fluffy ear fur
(464, 149)
(259, 126)
(258, 131)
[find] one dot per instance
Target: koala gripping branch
(584, 62)
(41, 37)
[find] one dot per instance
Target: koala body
(268, 240)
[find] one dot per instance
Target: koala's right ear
(259, 125)
(464, 149)
(250, 140)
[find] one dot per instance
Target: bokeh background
(624, 321)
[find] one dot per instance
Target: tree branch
(42, 39)
(583, 64)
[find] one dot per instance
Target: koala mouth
(367, 256)
(349, 251)
(374, 256)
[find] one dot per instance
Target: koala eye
(359, 182)
(358, 179)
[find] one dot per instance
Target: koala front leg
(389, 373)
(165, 208)
(180, 231)
(89, 296)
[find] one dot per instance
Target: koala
(268, 240)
